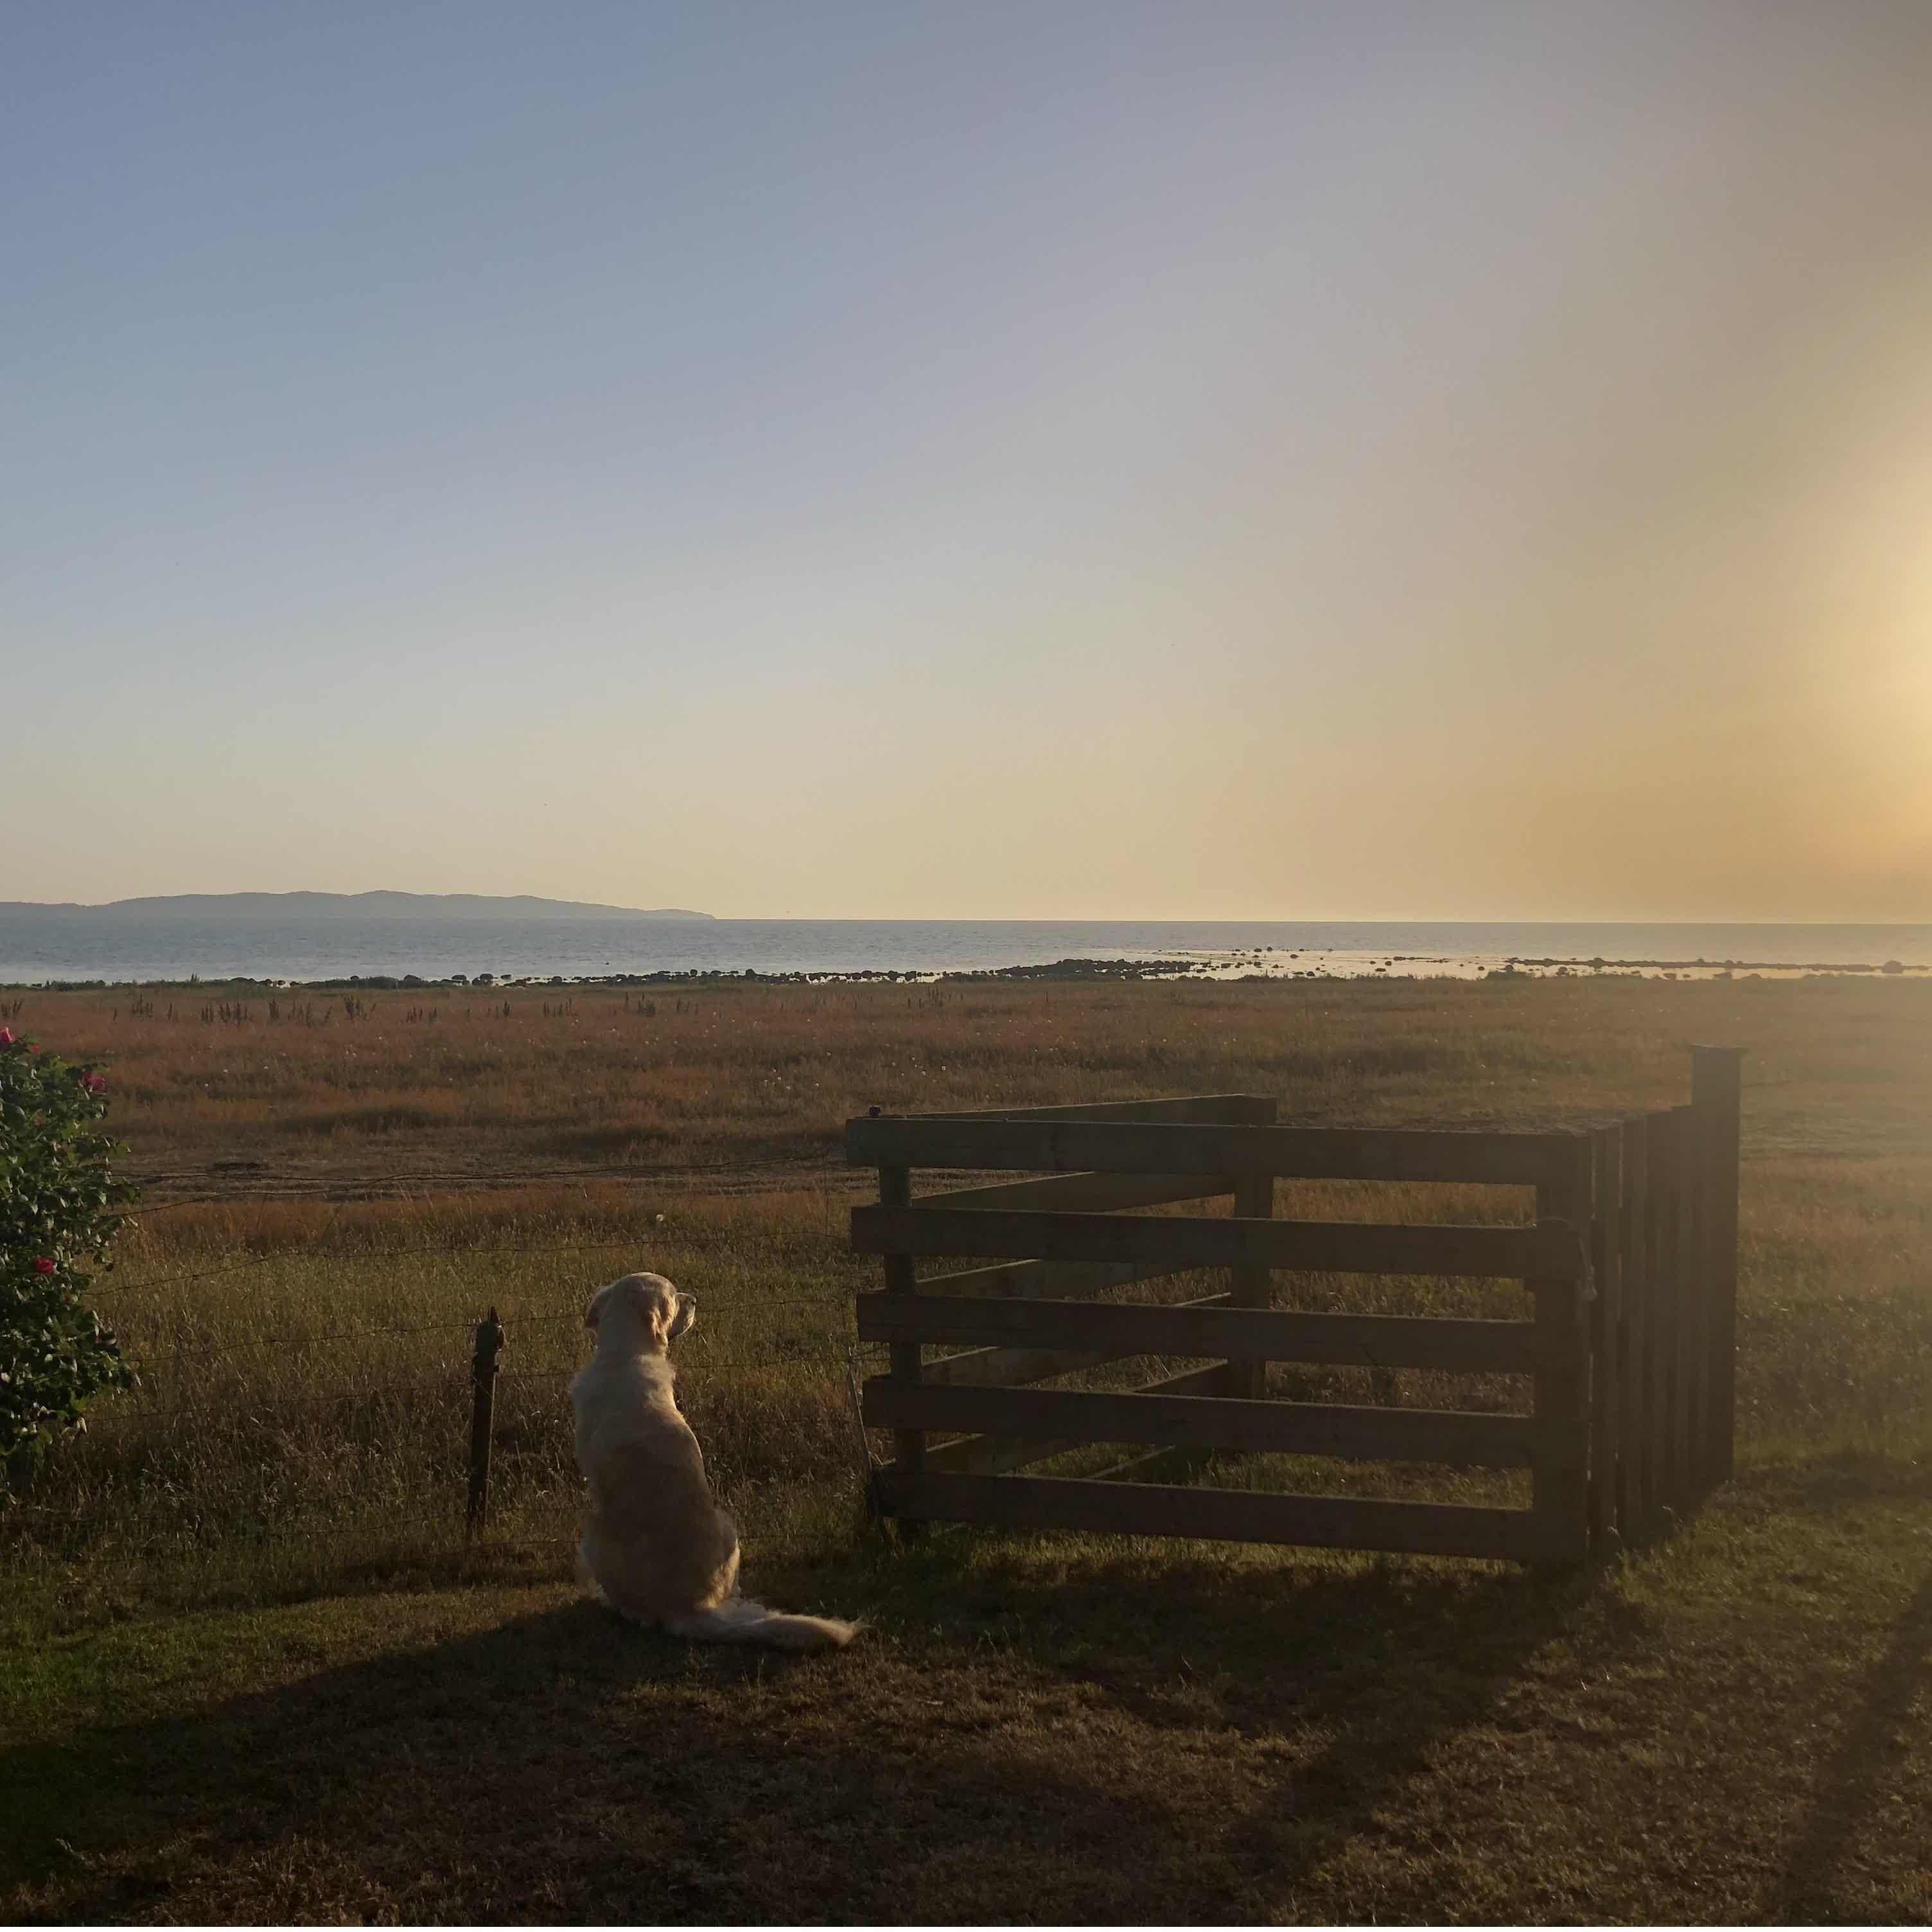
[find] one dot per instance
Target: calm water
(41, 946)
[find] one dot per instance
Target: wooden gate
(1627, 1256)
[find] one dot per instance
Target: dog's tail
(738, 1620)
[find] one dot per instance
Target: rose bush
(60, 1205)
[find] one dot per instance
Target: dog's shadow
(569, 1765)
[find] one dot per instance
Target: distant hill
(446, 906)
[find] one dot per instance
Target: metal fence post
(482, 1408)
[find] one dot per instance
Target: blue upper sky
(1286, 461)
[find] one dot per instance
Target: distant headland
(419, 906)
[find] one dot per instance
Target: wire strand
(540, 1318)
(148, 1282)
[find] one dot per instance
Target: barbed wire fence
(478, 1369)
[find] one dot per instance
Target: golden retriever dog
(655, 1546)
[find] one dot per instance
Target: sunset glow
(1383, 461)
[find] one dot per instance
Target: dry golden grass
(254, 1674)
(736, 1074)
(301, 1318)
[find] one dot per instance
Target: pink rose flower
(94, 1083)
(6, 1035)
(43, 1264)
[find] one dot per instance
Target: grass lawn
(1737, 1726)
(247, 1671)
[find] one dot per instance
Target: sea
(61, 946)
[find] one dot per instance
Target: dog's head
(642, 1314)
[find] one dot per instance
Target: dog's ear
(660, 1312)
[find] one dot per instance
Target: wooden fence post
(1716, 1098)
(1253, 1287)
(482, 1410)
(1635, 1470)
(1558, 1481)
(1609, 1449)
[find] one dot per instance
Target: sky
(1444, 461)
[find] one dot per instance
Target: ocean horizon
(57, 946)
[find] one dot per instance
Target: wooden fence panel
(1005, 1368)
(1451, 1343)
(1333, 1153)
(1196, 1109)
(1687, 1287)
(1662, 1156)
(908, 1444)
(1716, 1095)
(1038, 1278)
(1012, 1367)
(1252, 1284)
(1158, 1465)
(1636, 1475)
(1088, 1192)
(998, 1455)
(1606, 1335)
(1559, 1500)
(1693, 1357)
(1548, 1252)
(1458, 1437)
(1233, 1515)
(1634, 1395)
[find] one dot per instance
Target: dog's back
(653, 1541)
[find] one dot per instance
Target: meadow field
(252, 1670)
